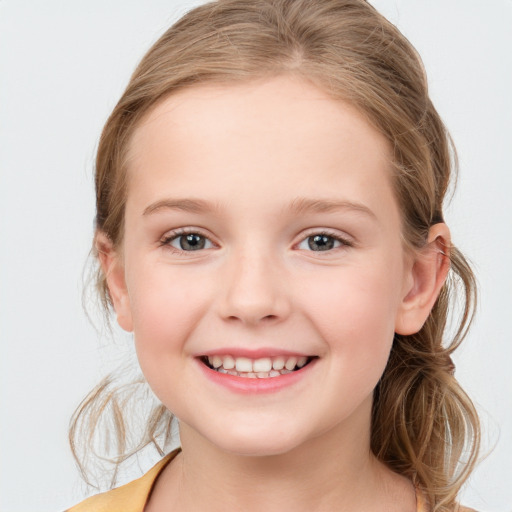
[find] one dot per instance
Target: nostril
(267, 318)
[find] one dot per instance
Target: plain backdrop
(63, 65)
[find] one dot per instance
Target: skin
(251, 150)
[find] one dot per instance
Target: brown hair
(423, 424)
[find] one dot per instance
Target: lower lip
(246, 385)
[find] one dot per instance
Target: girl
(270, 227)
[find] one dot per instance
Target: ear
(113, 269)
(428, 273)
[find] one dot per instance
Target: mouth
(261, 368)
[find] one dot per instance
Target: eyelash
(173, 235)
(344, 242)
(167, 239)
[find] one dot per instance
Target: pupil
(192, 242)
(321, 243)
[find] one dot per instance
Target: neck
(334, 471)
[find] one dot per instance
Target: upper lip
(253, 353)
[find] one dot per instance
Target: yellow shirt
(133, 496)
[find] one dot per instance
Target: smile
(262, 368)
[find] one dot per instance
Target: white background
(63, 65)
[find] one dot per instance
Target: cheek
(166, 309)
(356, 317)
(166, 305)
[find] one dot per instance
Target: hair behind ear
(423, 423)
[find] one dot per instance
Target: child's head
(209, 87)
(344, 47)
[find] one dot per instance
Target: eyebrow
(185, 205)
(300, 205)
(306, 205)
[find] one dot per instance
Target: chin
(256, 441)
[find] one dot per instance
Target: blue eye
(188, 242)
(192, 241)
(323, 242)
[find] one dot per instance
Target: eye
(323, 242)
(187, 241)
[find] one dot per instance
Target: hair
(424, 426)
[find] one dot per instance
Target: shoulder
(131, 497)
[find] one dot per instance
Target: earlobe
(113, 270)
(427, 276)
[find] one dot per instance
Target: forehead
(264, 140)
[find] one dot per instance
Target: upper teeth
(265, 364)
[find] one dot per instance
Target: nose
(254, 290)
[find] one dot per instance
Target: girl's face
(261, 230)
